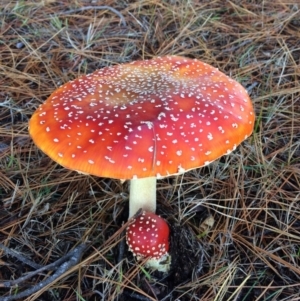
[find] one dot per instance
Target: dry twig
(60, 266)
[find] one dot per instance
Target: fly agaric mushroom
(147, 236)
(142, 121)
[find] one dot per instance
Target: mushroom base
(161, 264)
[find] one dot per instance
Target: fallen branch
(19, 257)
(60, 266)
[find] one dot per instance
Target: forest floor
(49, 213)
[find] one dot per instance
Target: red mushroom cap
(147, 118)
(147, 235)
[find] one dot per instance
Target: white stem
(142, 195)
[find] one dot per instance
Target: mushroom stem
(142, 195)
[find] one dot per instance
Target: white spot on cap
(179, 152)
(109, 159)
(181, 169)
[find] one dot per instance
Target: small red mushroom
(147, 236)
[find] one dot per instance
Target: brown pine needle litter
(62, 233)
